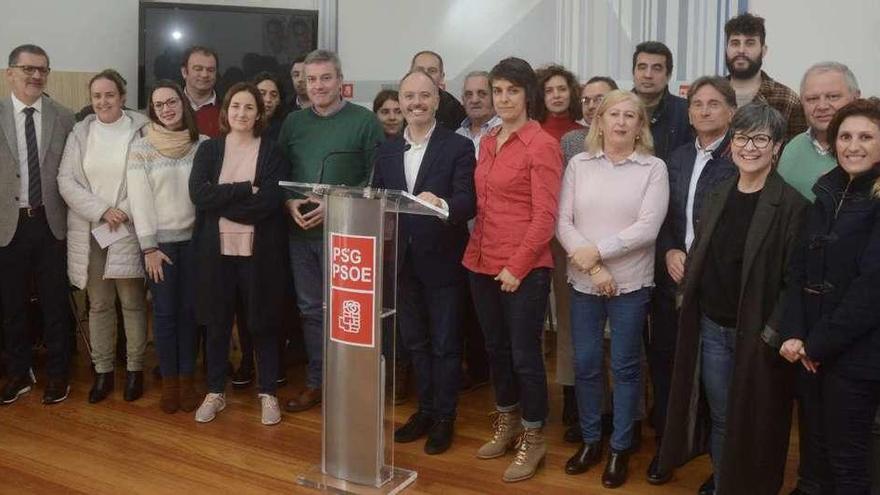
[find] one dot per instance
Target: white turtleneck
(105, 157)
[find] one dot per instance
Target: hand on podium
(307, 213)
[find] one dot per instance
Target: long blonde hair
(644, 141)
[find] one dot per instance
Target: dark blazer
(451, 113)
(57, 123)
(681, 167)
(670, 125)
(435, 247)
(759, 418)
(837, 271)
(239, 203)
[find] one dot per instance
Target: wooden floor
(120, 447)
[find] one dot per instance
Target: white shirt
(412, 158)
(703, 157)
(465, 130)
(210, 101)
(18, 109)
(104, 161)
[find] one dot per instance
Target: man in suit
(33, 223)
(436, 165)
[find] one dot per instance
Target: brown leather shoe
(189, 400)
(305, 400)
(170, 400)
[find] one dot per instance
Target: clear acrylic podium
(360, 285)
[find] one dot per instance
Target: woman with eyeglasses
(159, 164)
(727, 355)
(91, 179)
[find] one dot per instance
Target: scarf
(171, 144)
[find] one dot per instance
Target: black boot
(101, 388)
(586, 456)
(569, 406)
(615, 469)
(134, 385)
(708, 486)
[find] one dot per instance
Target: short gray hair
(832, 66)
(321, 56)
(757, 116)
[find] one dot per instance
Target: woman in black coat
(832, 324)
(239, 219)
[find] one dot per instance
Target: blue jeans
(512, 323)
(717, 355)
(307, 265)
(430, 322)
(627, 315)
(174, 320)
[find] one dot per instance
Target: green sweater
(801, 165)
(306, 138)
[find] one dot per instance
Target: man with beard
(744, 55)
(436, 165)
(451, 113)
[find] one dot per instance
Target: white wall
(803, 32)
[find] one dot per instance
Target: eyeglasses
(31, 69)
(170, 103)
(597, 100)
(760, 141)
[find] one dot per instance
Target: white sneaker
(271, 411)
(212, 404)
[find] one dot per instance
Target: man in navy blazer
(436, 165)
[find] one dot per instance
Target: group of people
(731, 239)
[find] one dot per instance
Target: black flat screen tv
(247, 40)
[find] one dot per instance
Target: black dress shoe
(615, 469)
(56, 391)
(101, 388)
(588, 455)
(573, 434)
(440, 436)
(134, 385)
(15, 387)
(242, 378)
(655, 475)
(708, 486)
(416, 427)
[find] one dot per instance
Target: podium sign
(352, 289)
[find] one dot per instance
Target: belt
(31, 212)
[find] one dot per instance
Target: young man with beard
(744, 56)
(300, 98)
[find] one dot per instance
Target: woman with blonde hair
(613, 201)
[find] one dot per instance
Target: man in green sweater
(343, 137)
(825, 88)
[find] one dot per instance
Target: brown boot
(506, 427)
(530, 452)
(189, 401)
(170, 401)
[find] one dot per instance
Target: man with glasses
(592, 94)
(695, 168)
(33, 225)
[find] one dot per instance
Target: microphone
(307, 207)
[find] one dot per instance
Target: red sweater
(557, 126)
(208, 120)
(517, 193)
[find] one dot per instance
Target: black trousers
(35, 254)
(660, 338)
(814, 471)
(849, 406)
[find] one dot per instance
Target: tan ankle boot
(170, 401)
(530, 452)
(506, 427)
(189, 401)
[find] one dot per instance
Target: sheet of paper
(105, 237)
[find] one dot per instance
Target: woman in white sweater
(102, 253)
(159, 164)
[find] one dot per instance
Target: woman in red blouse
(517, 181)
